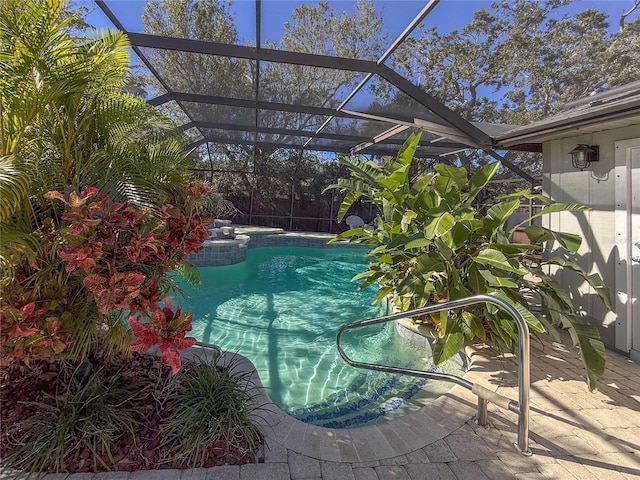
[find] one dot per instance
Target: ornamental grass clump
(89, 411)
(124, 414)
(211, 409)
(431, 244)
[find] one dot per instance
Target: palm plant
(65, 126)
(65, 121)
(431, 245)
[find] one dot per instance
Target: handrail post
(524, 386)
(524, 380)
(483, 415)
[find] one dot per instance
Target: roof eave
(536, 133)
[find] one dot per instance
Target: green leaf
(479, 180)
(447, 347)
(537, 234)
(421, 185)
(555, 208)
(386, 258)
(407, 218)
(349, 199)
(372, 278)
(442, 318)
(592, 349)
(473, 224)
(447, 239)
(459, 235)
(396, 179)
(508, 326)
(464, 328)
(427, 263)
(190, 273)
(410, 284)
(382, 293)
(561, 207)
(497, 281)
(354, 232)
(553, 288)
(417, 243)
(475, 324)
(551, 329)
(475, 280)
(403, 239)
(553, 308)
(442, 185)
(443, 248)
(500, 213)
(361, 275)
(494, 320)
(523, 309)
(408, 149)
(457, 174)
(497, 259)
(513, 249)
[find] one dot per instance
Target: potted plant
(431, 244)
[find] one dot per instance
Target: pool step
(353, 409)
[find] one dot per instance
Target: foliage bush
(103, 260)
(212, 407)
(96, 205)
(90, 409)
(432, 245)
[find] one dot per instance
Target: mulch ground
(142, 450)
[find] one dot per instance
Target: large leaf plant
(432, 244)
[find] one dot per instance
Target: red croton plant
(100, 262)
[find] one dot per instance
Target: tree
(516, 63)
(624, 15)
(623, 55)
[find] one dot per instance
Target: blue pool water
(282, 309)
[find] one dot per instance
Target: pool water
(282, 308)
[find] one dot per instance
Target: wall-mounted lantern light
(583, 155)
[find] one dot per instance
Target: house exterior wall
(595, 188)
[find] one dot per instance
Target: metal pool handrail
(521, 407)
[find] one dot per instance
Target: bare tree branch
(624, 15)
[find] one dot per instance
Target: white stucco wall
(594, 187)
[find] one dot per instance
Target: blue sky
(448, 14)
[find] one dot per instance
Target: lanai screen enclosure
(256, 113)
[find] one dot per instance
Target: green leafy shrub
(96, 206)
(211, 408)
(93, 410)
(431, 244)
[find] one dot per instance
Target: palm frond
(14, 187)
(190, 273)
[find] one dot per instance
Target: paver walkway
(574, 434)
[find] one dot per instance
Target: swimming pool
(282, 307)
